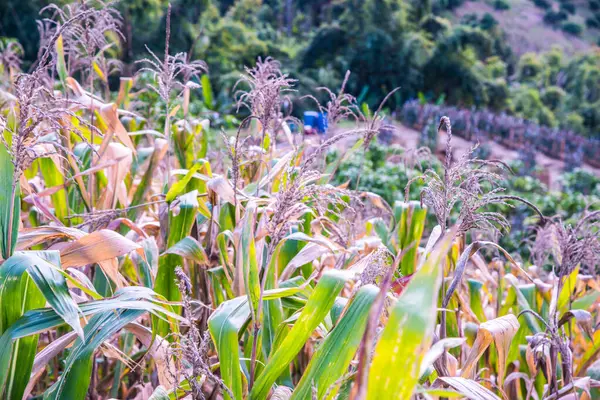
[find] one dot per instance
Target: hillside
(526, 30)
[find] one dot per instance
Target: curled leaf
(500, 331)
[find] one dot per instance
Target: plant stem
(11, 217)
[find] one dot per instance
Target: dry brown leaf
(222, 188)
(282, 393)
(277, 168)
(437, 349)
(469, 388)
(514, 377)
(115, 174)
(43, 358)
(110, 268)
(377, 201)
(500, 331)
(29, 237)
(316, 247)
(159, 349)
(98, 246)
(583, 319)
(110, 114)
(35, 200)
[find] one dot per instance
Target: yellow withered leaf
(500, 331)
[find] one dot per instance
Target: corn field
(160, 258)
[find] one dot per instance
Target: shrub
(572, 28)
(501, 5)
(553, 97)
(581, 181)
(574, 122)
(545, 4)
(568, 8)
(545, 116)
(555, 17)
(529, 67)
(435, 25)
(592, 23)
(488, 22)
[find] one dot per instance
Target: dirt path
(408, 138)
(551, 168)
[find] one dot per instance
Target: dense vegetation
(145, 253)
(385, 43)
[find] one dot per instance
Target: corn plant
(142, 261)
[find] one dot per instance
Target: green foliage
(572, 28)
(555, 17)
(527, 103)
(553, 97)
(529, 68)
(581, 181)
(545, 4)
(147, 259)
(501, 5)
(568, 7)
(377, 175)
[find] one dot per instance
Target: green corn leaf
(142, 189)
(125, 85)
(53, 177)
(28, 280)
(160, 393)
(39, 320)
(531, 321)
(18, 296)
(178, 187)
(220, 285)
(411, 221)
(316, 309)
(189, 248)
(7, 246)
(224, 325)
(180, 226)
(285, 252)
(408, 333)
(246, 261)
(207, 92)
(61, 65)
(43, 268)
(475, 300)
(74, 382)
(223, 239)
(147, 265)
(332, 358)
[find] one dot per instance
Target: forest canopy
(422, 47)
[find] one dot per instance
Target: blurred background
(534, 59)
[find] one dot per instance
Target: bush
(592, 23)
(435, 25)
(545, 116)
(501, 5)
(572, 28)
(545, 4)
(568, 7)
(554, 17)
(594, 5)
(488, 22)
(574, 122)
(553, 97)
(529, 67)
(580, 181)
